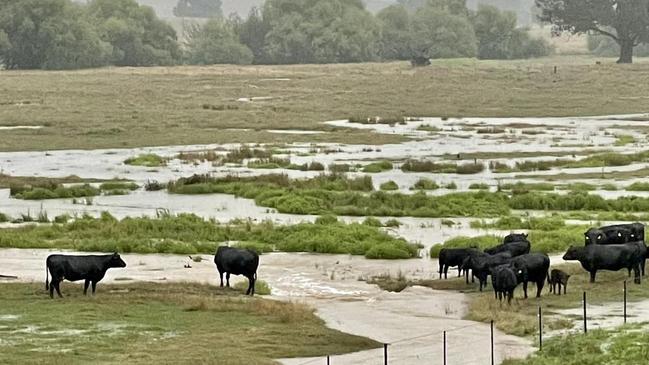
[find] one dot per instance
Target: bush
(479, 186)
(372, 222)
(326, 219)
(425, 184)
(470, 168)
(389, 186)
(383, 251)
(393, 223)
(376, 167)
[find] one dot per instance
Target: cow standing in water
(73, 268)
(237, 261)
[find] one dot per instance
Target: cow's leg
(52, 287)
(57, 287)
(459, 271)
(441, 269)
(539, 287)
(509, 297)
(85, 287)
(592, 276)
(525, 288)
(221, 277)
(227, 277)
(472, 277)
(251, 286)
(94, 287)
(636, 274)
(564, 288)
(445, 271)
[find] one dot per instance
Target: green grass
(624, 139)
(638, 186)
(189, 234)
(146, 160)
(389, 186)
(54, 192)
(145, 110)
(261, 287)
(377, 167)
(119, 185)
(445, 168)
(479, 186)
(623, 345)
(429, 128)
(151, 323)
(7, 181)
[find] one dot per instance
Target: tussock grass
(441, 167)
(146, 160)
(189, 234)
(376, 167)
(425, 184)
(389, 186)
(158, 322)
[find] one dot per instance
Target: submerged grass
(149, 323)
(189, 234)
(146, 160)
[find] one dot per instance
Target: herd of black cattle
(509, 264)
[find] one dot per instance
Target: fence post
(540, 329)
(585, 324)
(444, 347)
(385, 354)
(492, 343)
(624, 301)
(328, 363)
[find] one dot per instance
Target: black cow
(449, 257)
(515, 248)
(237, 261)
(481, 265)
(515, 237)
(72, 268)
(558, 277)
(504, 281)
(531, 267)
(608, 257)
(615, 234)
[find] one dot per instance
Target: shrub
(470, 168)
(479, 186)
(389, 186)
(372, 222)
(392, 223)
(450, 186)
(425, 184)
(326, 219)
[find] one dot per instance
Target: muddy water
(330, 283)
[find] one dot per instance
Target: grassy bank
(189, 234)
(131, 107)
(339, 195)
(51, 189)
(624, 345)
(152, 323)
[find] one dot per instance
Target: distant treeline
(61, 34)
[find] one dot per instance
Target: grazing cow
(237, 261)
(481, 265)
(558, 277)
(504, 281)
(449, 257)
(608, 257)
(515, 248)
(72, 268)
(531, 267)
(418, 61)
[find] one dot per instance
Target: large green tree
(216, 43)
(625, 21)
(320, 31)
(198, 9)
(49, 34)
(252, 32)
(395, 33)
(136, 35)
(437, 33)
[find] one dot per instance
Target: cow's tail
(47, 277)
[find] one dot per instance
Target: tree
(252, 32)
(320, 31)
(216, 43)
(498, 37)
(625, 21)
(395, 32)
(198, 9)
(136, 35)
(438, 34)
(49, 34)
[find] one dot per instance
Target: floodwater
(412, 321)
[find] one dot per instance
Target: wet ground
(411, 321)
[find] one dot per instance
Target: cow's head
(594, 236)
(572, 253)
(515, 237)
(116, 261)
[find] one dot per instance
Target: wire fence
(451, 342)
